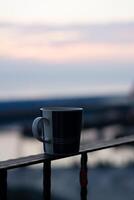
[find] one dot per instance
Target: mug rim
(61, 109)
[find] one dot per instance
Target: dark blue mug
(59, 128)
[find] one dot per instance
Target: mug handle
(35, 129)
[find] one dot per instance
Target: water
(109, 176)
(14, 145)
(103, 183)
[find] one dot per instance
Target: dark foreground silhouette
(105, 182)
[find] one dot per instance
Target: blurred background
(68, 53)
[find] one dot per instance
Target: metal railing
(47, 159)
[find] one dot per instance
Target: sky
(50, 48)
(71, 11)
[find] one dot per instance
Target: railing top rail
(39, 158)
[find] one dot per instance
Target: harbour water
(14, 145)
(110, 172)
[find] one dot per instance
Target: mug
(59, 128)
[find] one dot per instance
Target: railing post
(3, 184)
(47, 180)
(83, 176)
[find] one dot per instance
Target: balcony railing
(47, 159)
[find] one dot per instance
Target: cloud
(114, 32)
(67, 43)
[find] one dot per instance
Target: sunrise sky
(71, 11)
(77, 37)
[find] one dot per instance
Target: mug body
(63, 129)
